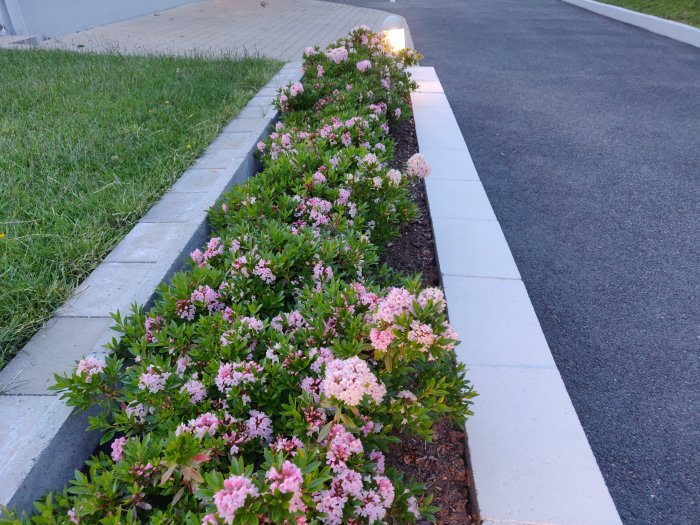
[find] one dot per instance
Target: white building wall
(45, 18)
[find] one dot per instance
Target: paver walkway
(586, 134)
(274, 28)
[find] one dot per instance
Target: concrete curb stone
(530, 459)
(43, 441)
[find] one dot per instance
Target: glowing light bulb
(394, 32)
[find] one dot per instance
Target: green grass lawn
(685, 11)
(87, 144)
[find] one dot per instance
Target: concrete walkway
(585, 134)
(274, 28)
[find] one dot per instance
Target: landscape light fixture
(394, 32)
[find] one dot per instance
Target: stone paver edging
(42, 441)
(668, 28)
(530, 458)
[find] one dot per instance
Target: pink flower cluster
(233, 496)
(287, 445)
(417, 166)
(393, 304)
(204, 296)
(314, 211)
(90, 366)
(392, 320)
(341, 446)
(153, 326)
(214, 248)
(118, 449)
(350, 380)
(152, 380)
(262, 269)
(372, 495)
(204, 425)
(434, 295)
(196, 390)
(259, 426)
(337, 54)
(235, 374)
(296, 89)
(288, 480)
(364, 65)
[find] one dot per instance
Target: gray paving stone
(54, 349)
(249, 167)
(222, 158)
(496, 323)
(438, 128)
(253, 112)
(179, 207)
(271, 90)
(254, 125)
(534, 464)
(113, 286)
(473, 249)
(234, 140)
(150, 242)
(42, 443)
(196, 180)
(450, 163)
(262, 101)
(458, 199)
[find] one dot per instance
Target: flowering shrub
(269, 378)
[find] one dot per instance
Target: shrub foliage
(270, 377)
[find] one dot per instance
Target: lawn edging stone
(668, 28)
(530, 459)
(43, 441)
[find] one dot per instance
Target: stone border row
(668, 28)
(42, 441)
(530, 459)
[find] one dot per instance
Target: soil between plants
(440, 465)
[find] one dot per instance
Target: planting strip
(43, 441)
(530, 459)
(668, 28)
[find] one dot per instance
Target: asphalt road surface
(586, 135)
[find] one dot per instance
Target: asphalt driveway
(586, 134)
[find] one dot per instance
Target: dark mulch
(441, 464)
(414, 251)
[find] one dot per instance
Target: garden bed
(441, 464)
(270, 379)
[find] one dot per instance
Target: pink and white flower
(233, 496)
(350, 380)
(417, 166)
(364, 65)
(90, 366)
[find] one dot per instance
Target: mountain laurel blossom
(90, 366)
(349, 380)
(233, 496)
(337, 54)
(417, 166)
(364, 65)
